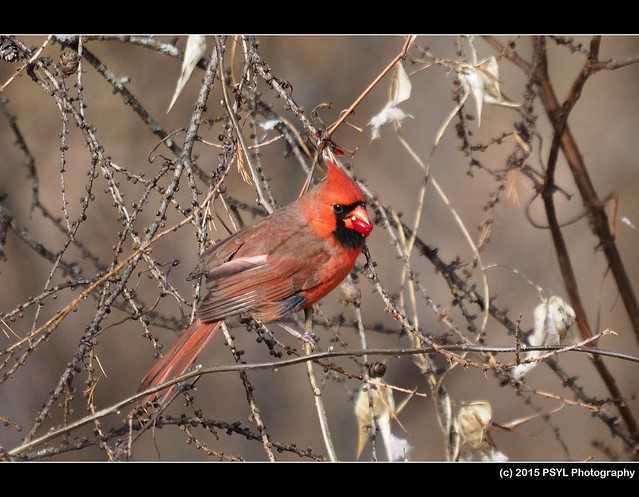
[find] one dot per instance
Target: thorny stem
(243, 153)
(117, 407)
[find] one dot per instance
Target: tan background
(335, 69)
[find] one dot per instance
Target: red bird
(285, 263)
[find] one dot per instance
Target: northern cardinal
(285, 263)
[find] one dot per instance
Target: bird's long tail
(178, 359)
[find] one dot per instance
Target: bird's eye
(338, 209)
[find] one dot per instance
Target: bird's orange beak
(358, 220)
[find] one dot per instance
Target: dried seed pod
(377, 369)
(474, 421)
(554, 319)
(8, 51)
(69, 62)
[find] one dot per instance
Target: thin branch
(358, 100)
(314, 357)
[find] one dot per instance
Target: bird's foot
(304, 337)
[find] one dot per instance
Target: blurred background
(45, 197)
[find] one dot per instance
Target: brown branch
(558, 115)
